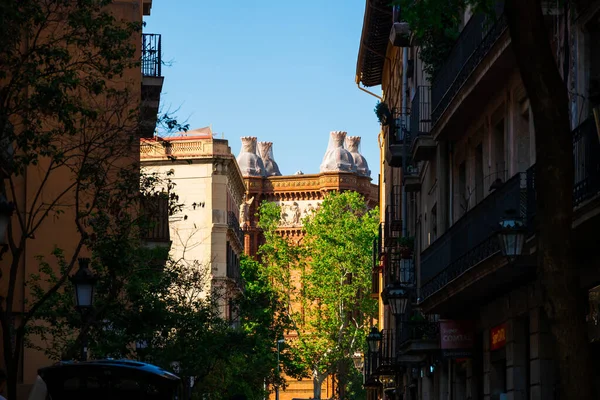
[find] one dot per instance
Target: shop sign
(456, 338)
(498, 337)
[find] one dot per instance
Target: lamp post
(358, 358)
(6, 210)
(84, 281)
(279, 342)
(511, 236)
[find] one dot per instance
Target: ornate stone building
(206, 233)
(343, 168)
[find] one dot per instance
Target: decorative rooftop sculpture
(265, 149)
(352, 145)
(337, 159)
(249, 161)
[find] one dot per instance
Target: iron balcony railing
(388, 351)
(473, 44)
(233, 265)
(234, 225)
(472, 238)
(420, 112)
(151, 54)
(156, 218)
(419, 330)
(586, 157)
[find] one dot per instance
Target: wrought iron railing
(586, 158)
(151, 54)
(420, 330)
(234, 225)
(156, 218)
(472, 238)
(420, 112)
(475, 41)
(388, 350)
(399, 267)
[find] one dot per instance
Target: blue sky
(277, 69)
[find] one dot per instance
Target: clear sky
(280, 70)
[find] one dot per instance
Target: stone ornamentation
(248, 160)
(265, 149)
(352, 144)
(337, 158)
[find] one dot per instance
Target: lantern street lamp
(374, 340)
(6, 210)
(359, 360)
(84, 281)
(398, 297)
(511, 236)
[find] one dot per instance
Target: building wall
(60, 231)
(301, 190)
(209, 187)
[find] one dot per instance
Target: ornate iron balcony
(475, 41)
(472, 238)
(151, 54)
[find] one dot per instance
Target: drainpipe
(404, 120)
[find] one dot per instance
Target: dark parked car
(105, 379)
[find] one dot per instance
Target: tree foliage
(323, 282)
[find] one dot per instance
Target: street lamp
(6, 210)
(358, 358)
(374, 340)
(398, 298)
(511, 236)
(279, 342)
(84, 282)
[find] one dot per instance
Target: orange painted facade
(302, 189)
(60, 231)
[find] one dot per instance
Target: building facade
(343, 168)
(205, 233)
(28, 189)
(458, 161)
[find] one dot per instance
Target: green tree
(324, 284)
(549, 100)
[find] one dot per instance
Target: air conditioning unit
(400, 34)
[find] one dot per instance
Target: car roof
(130, 366)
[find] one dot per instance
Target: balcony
(474, 43)
(471, 239)
(233, 266)
(418, 339)
(234, 224)
(152, 82)
(388, 352)
(395, 150)
(411, 179)
(423, 147)
(155, 231)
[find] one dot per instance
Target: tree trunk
(318, 379)
(549, 102)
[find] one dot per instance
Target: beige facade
(205, 233)
(457, 157)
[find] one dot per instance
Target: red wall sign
(498, 337)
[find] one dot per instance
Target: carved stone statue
(245, 211)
